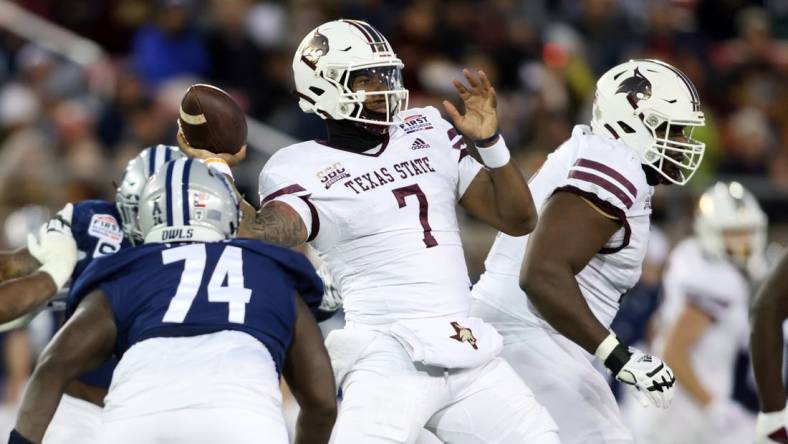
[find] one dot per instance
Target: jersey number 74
(229, 266)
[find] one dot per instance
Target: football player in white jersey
(377, 200)
(702, 323)
(594, 199)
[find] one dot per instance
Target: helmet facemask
(128, 206)
(674, 153)
(371, 95)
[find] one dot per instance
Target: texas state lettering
(383, 175)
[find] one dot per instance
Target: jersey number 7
(403, 192)
(229, 266)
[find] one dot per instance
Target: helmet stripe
(176, 184)
(168, 192)
(366, 34)
(377, 37)
(185, 191)
(152, 160)
(687, 82)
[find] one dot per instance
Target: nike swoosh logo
(671, 101)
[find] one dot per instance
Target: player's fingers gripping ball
(211, 120)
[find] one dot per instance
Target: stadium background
(85, 85)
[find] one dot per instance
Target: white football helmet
(188, 202)
(138, 171)
(725, 208)
(328, 60)
(653, 108)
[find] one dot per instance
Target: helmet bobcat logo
(316, 48)
(463, 334)
(636, 88)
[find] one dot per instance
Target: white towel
(449, 343)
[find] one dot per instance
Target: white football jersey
(608, 174)
(384, 220)
(722, 291)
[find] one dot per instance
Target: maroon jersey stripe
(290, 189)
(315, 218)
(604, 183)
(613, 174)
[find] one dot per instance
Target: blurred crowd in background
(67, 129)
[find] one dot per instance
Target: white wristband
(219, 165)
(495, 156)
(606, 347)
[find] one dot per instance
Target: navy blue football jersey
(96, 227)
(170, 290)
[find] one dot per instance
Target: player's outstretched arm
(57, 251)
(768, 311)
(19, 297)
(83, 343)
(310, 377)
(276, 223)
(499, 196)
(17, 263)
(687, 331)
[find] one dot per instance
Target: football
(212, 120)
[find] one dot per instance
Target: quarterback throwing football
(377, 201)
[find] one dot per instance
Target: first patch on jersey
(414, 123)
(105, 227)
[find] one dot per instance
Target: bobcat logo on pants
(463, 335)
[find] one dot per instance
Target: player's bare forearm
(40, 401)
(82, 344)
(501, 198)
(17, 263)
(553, 290)
(769, 310)
(276, 223)
(569, 234)
(311, 380)
(314, 427)
(86, 392)
(20, 296)
(687, 331)
(513, 201)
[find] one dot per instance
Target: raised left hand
(480, 120)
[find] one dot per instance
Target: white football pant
(387, 398)
(215, 388)
(562, 377)
(75, 422)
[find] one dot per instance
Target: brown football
(212, 120)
